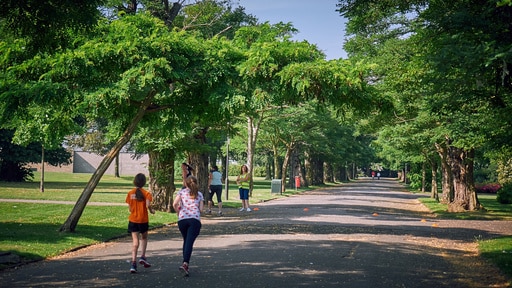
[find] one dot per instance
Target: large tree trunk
(462, 171)
(315, 173)
(199, 160)
(328, 173)
(78, 209)
(433, 167)
(446, 174)
(161, 179)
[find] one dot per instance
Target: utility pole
(227, 167)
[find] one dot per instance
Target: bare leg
(135, 245)
(144, 243)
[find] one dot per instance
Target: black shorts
(138, 227)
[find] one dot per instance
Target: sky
(317, 21)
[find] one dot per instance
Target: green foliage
(45, 25)
(504, 194)
(14, 158)
(504, 171)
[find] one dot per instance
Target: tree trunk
(423, 177)
(461, 163)
(78, 209)
(161, 179)
(286, 161)
(269, 167)
(328, 173)
(41, 184)
(433, 192)
(253, 126)
(199, 160)
(116, 167)
(446, 174)
(277, 167)
(297, 168)
(315, 172)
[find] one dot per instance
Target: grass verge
(498, 250)
(31, 230)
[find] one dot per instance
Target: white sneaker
(242, 209)
(248, 209)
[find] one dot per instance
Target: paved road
(368, 233)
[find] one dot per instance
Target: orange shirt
(138, 209)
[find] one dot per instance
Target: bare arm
(176, 203)
(148, 204)
(201, 205)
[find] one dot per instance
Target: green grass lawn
(31, 230)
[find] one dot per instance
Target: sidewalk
(369, 233)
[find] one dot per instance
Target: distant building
(87, 162)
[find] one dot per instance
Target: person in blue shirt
(215, 185)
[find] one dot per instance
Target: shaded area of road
(368, 233)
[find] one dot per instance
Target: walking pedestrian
(243, 187)
(189, 203)
(186, 170)
(139, 200)
(215, 184)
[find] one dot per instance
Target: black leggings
(215, 189)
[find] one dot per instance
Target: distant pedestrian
(189, 203)
(373, 175)
(215, 185)
(186, 170)
(139, 200)
(243, 187)
(378, 175)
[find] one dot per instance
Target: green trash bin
(275, 186)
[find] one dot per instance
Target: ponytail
(191, 183)
(139, 181)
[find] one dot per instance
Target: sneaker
(242, 209)
(248, 210)
(144, 262)
(184, 269)
(220, 213)
(208, 211)
(133, 269)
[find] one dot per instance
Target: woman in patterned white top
(189, 203)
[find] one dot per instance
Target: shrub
(491, 188)
(505, 194)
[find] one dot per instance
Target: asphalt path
(367, 233)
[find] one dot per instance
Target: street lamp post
(227, 169)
